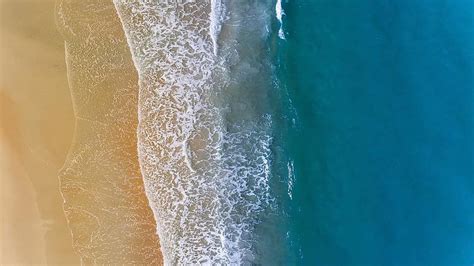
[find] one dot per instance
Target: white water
(217, 17)
(279, 14)
(206, 178)
(291, 178)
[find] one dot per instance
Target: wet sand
(101, 183)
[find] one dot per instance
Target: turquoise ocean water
(307, 132)
(378, 132)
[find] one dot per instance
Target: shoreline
(101, 172)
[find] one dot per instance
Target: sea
(307, 132)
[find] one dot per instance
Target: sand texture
(71, 188)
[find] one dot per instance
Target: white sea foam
(279, 14)
(291, 178)
(216, 19)
(206, 172)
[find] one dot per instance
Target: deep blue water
(383, 140)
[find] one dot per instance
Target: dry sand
(36, 128)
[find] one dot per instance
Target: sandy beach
(69, 139)
(36, 129)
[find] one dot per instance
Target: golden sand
(79, 121)
(36, 128)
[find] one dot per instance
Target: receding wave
(104, 199)
(204, 129)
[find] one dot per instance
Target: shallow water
(100, 181)
(204, 124)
